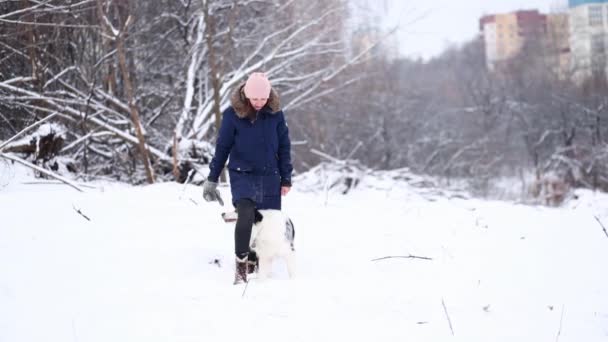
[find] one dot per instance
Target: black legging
(244, 223)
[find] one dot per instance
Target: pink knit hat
(257, 86)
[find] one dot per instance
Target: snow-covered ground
(154, 263)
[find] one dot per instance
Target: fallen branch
(326, 156)
(403, 257)
(81, 214)
(603, 227)
(41, 170)
(55, 183)
(445, 310)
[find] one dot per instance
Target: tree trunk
(31, 41)
(122, 61)
(214, 68)
(175, 160)
(109, 79)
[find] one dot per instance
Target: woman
(255, 136)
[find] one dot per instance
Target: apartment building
(505, 35)
(588, 36)
(557, 43)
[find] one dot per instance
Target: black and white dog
(272, 236)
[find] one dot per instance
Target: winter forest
(432, 199)
(134, 91)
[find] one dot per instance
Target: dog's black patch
(290, 233)
(258, 217)
(252, 262)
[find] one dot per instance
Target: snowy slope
(143, 268)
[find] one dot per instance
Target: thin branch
(18, 80)
(561, 319)
(20, 22)
(334, 73)
(603, 227)
(8, 123)
(56, 77)
(47, 5)
(81, 214)
(445, 310)
(403, 257)
(352, 153)
(22, 10)
(76, 142)
(326, 156)
(245, 289)
(55, 183)
(314, 97)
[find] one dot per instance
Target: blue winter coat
(259, 151)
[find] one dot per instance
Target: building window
(597, 44)
(596, 15)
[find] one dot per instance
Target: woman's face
(258, 103)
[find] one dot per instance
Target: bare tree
(141, 79)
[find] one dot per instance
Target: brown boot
(240, 271)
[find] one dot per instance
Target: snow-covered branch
(41, 170)
(27, 129)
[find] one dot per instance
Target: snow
(144, 267)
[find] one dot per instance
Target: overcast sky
(428, 27)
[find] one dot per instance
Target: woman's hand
(285, 190)
(211, 193)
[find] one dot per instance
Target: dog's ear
(258, 217)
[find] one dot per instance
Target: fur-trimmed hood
(241, 105)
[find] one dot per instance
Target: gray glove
(211, 193)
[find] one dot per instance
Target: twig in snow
(81, 214)
(603, 227)
(245, 289)
(403, 257)
(186, 182)
(561, 319)
(445, 310)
